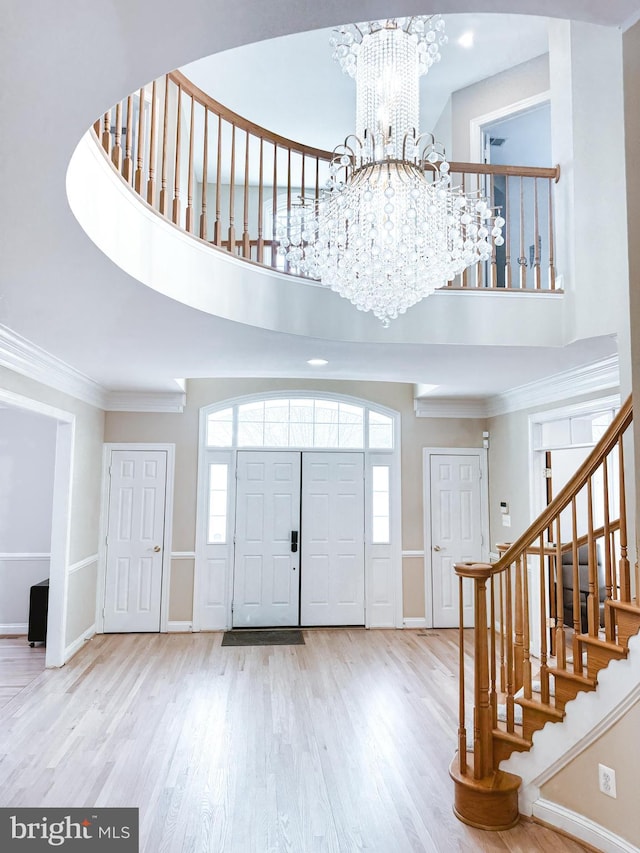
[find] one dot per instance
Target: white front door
(266, 585)
(135, 540)
(332, 539)
(456, 532)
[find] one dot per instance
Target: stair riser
(628, 626)
(599, 658)
(502, 750)
(535, 719)
(567, 689)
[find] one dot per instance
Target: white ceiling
(315, 104)
(61, 65)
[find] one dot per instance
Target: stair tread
(537, 705)
(627, 606)
(511, 737)
(602, 644)
(574, 677)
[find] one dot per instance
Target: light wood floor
(342, 744)
(19, 665)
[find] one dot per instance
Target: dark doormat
(264, 637)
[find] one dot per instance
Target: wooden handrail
(619, 424)
(242, 123)
(555, 619)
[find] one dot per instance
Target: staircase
(550, 615)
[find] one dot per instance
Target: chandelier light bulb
(389, 229)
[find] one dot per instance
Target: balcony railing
(224, 179)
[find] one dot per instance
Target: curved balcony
(221, 180)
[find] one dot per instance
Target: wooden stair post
(485, 797)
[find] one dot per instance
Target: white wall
(523, 81)
(27, 457)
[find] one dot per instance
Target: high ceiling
(316, 104)
(64, 63)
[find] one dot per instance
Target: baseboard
(581, 828)
(414, 622)
(14, 628)
(74, 647)
(179, 627)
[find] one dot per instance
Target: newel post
(484, 796)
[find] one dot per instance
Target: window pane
(381, 437)
(251, 412)
(301, 411)
(220, 428)
(326, 412)
(224, 415)
(301, 435)
(377, 418)
(350, 414)
(380, 504)
(380, 478)
(276, 435)
(326, 435)
(219, 434)
(381, 530)
(217, 530)
(218, 501)
(351, 435)
(217, 527)
(276, 411)
(250, 434)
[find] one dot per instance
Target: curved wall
(165, 258)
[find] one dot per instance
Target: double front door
(299, 539)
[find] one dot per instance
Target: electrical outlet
(607, 780)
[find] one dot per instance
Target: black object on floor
(264, 637)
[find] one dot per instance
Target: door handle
(437, 548)
(157, 549)
(294, 541)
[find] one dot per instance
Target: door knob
(157, 548)
(437, 548)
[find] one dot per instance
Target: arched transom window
(300, 422)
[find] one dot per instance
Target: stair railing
(226, 180)
(557, 603)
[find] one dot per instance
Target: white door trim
(60, 521)
(427, 453)
(170, 450)
(478, 122)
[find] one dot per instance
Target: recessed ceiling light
(317, 362)
(466, 39)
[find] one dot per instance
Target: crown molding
(593, 378)
(145, 401)
(441, 407)
(22, 356)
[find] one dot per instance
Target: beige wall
(509, 478)
(182, 429)
(181, 590)
(523, 81)
(576, 785)
(84, 522)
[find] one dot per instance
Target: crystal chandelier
(389, 228)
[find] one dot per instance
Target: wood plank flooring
(19, 665)
(340, 745)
